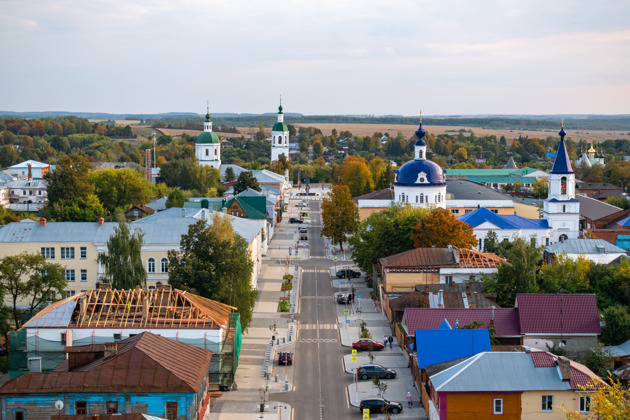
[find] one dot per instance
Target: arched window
(279, 139)
(439, 198)
(151, 265)
(563, 185)
(564, 208)
(207, 152)
(402, 200)
(563, 237)
(216, 152)
(421, 198)
(164, 265)
(417, 199)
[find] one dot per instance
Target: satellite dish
(59, 405)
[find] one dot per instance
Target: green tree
(123, 262)
(540, 188)
(229, 174)
(246, 180)
(621, 202)
(383, 234)
(439, 228)
(461, 155)
(29, 279)
(120, 188)
(354, 173)
(340, 215)
(565, 275)
(491, 242)
(77, 209)
(215, 263)
(176, 198)
(616, 328)
(596, 360)
(318, 148)
(70, 179)
(518, 275)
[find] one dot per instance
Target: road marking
(318, 340)
(316, 297)
(318, 326)
(314, 270)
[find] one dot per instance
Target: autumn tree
(604, 402)
(30, 279)
(123, 261)
(565, 275)
(215, 263)
(461, 155)
(439, 228)
(355, 174)
(340, 215)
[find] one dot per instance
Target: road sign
(346, 311)
(366, 414)
(359, 297)
(347, 321)
(354, 358)
(354, 351)
(290, 306)
(335, 259)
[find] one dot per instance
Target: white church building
(280, 138)
(208, 145)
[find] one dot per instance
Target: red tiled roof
(543, 359)
(143, 363)
(558, 313)
(582, 378)
(505, 319)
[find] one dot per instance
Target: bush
(287, 277)
(283, 306)
(287, 286)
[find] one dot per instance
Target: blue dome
(408, 174)
(420, 133)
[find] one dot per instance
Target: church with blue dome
(420, 182)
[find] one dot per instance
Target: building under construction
(103, 315)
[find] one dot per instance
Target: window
(455, 211)
(19, 415)
(83, 275)
(547, 403)
(112, 407)
(585, 404)
(420, 154)
(80, 407)
(563, 185)
(69, 275)
(448, 279)
(48, 253)
(83, 252)
(564, 208)
(480, 244)
(498, 406)
(164, 265)
(546, 241)
(171, 410)
(402, 198)
(151, 265)
(116, 336)
(207, 152)
(467, 211)
(422, 198)
(67, 253)
(563, 238)
(63, 338)
(495, 211)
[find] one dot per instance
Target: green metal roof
(249, 207)
(488, 172)
(208, 137)
(501, 179)
(280, 126)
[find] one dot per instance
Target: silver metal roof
(28, 232)
(584, 246)
(498, 371)
(58, 317)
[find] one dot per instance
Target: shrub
(283, 306)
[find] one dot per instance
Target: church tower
(280, 137)
(561, 209)
(208, 145)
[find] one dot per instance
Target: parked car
(303, 237)
(366, 343)
(378, 405)
(347, 273)
(375, 371)
(294, 220)
(344, 298)
(301, 204)
(285, 358)
(303, 229)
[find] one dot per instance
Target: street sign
(354, 351)
(359, 297)
(347, 321)
(290, 306)
(354, 358)
(366, 414)
(346, 311)
(335, 259)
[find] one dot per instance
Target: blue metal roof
(482, 215)
(408, 173)
(437, 346)
(562, 163)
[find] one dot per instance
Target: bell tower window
(420, 154)
(563, 185)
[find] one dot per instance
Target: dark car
(344, 298)
(294, 220)
(285, 358)
(347, 273)
(375, 371)
(380, 405)
(367, 343)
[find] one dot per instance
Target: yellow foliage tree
(355, 174)
(610, 403)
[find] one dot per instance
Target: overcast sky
(324, 56)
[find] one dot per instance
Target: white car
(301, 204)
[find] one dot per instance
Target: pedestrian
(409, 399)
(385, 340)
(391, 340)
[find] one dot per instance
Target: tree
(77, 209)
(340, 215)
(616, 328)
(384, 233)
(460, 155)
(606, 402)
(70, 179)
(565, 275)
(439, 228)
(229, 174)
(621, 202)
(491, 241)
(176, 198)
(540, 188)
(246, 180)
(596, 359)
(30, 278)
(123, 262)
(215, 263)
(120, 188)
(518, 275)
(318, 148)
(354, 173)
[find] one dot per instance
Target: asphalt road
(320, 382)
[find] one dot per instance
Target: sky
(324, 57)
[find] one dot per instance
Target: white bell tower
(280, 137)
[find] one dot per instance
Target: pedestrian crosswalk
(316, 297)
(312, 270)
(318, 326)
(317, 340)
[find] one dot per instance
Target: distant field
(119, 122)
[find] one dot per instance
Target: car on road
(303, 229)
(347, 273)
(285, 358)
(295, 220)
(367, 343)
(301, 204)
(375, 371)
(344, 298)
(380, 405)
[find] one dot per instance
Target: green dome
(208, 137)
(280, 126)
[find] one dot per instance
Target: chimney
(110, 349)
(468, 290)
(158, 285)
(34, 363)
(30, 172)
(101, 221)
(440, 299)
(492, 315)
(565, 368)
(106, 286)
(42, 221)
(97, 285)
(166, 287)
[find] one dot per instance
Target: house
(32, 169)
(598, 191)
(373, 202)
(28, 195)
(464, 196)
(446, 343)
(103, 315)
(145, 373)
(512, 385)
(138, 211)
(595, 250)
(605, 221)
(620, 359)
(497, 179)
